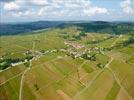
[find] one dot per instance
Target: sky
(68, 10)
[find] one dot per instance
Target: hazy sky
(34, 10)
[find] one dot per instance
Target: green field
(57, 65)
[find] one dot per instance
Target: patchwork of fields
(57, 65)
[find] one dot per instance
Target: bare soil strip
(64, 96)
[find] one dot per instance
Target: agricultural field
(66, 64)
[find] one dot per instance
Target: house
(74, 45)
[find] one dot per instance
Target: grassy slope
(53, 75)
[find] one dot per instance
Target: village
(73, 49)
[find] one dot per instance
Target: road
(21, 83)
(118, 82)
(98, 74)
(23, 76)
(86, 87)
(92, 81)
(11, 78)
(113, 73)
(23, 71)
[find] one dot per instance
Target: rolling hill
(88, 26)
(67, 62)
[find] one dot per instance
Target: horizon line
(10, 22)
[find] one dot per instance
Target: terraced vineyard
(62, 64)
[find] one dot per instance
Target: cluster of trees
(107, 27)
(21, 28)
(36, 86)
(129, 41)
(6, 62)
(100, 65)
(97, 26)
(91, 57)
(81, 34)
(27, 64)
(124, 43)
(86, 56)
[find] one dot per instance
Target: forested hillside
(97, 26)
